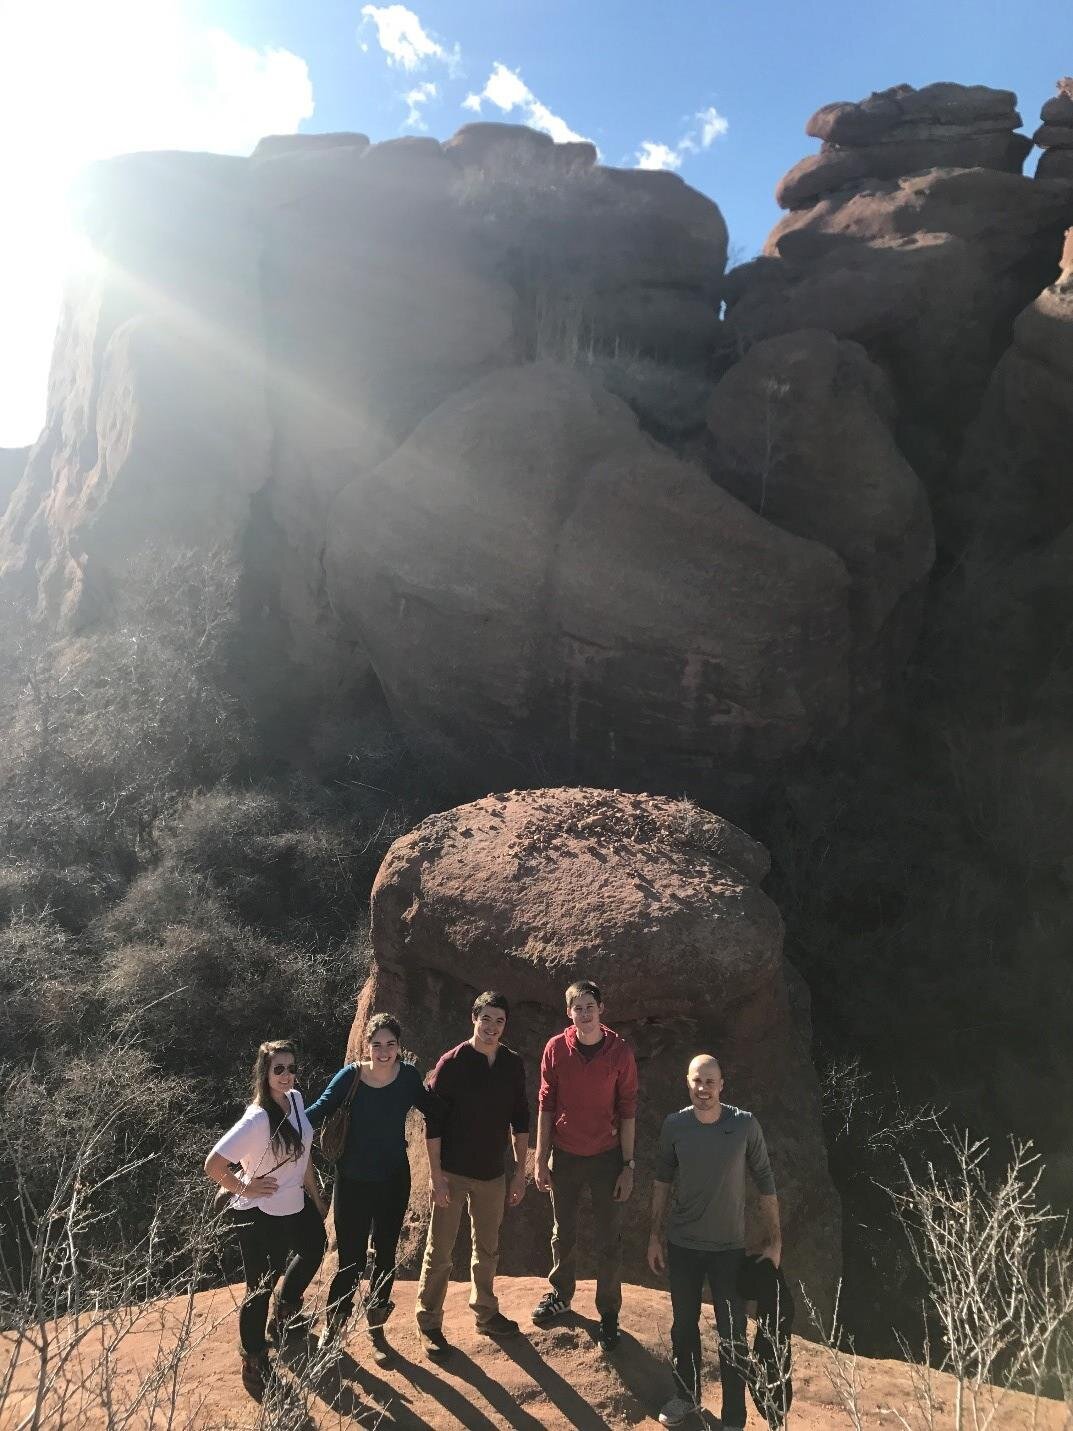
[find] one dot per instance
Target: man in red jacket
(586, 1121)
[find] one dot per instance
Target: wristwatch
(630, 1163)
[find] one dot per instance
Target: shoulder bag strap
(349, 1099)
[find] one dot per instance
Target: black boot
(256, 1373)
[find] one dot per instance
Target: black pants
(688, 1270)
(290, 1247)
(571, 1174)
(362, 1208)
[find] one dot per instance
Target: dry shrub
(43, 979)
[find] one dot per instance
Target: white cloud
(713, 126)
(81, 82)
(415, 98)
(405, 40)
(506, 89)
(652, 155)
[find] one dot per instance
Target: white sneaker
(676, 1411)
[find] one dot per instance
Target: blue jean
(688, 1269)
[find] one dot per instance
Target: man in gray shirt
(704, 1151)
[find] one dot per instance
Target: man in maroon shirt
(480, 1088)
(586, 1120)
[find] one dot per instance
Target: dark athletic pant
(687, 1270)
(290, 1247)
(571, 1174)
(362, 1208)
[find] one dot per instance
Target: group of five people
(474, 1102)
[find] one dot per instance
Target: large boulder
(904, 131)
(660, 903)
(801, 431)
(543, 588)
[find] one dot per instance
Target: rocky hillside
(506, 464)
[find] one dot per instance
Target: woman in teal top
(372, 1188)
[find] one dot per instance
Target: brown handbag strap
(349, 1099)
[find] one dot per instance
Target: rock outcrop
(656, 900)
(542, 587)
(801, 431)
(914, 234)
(903, 131)
(257, 335)
(12, 466)
(1013, 480)
(1055, 135)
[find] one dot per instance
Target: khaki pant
(487, 1199)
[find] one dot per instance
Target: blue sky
(720, 88)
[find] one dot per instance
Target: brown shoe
(498, 1325)
(433, 1343)
(256, 1373)
(381, 1347)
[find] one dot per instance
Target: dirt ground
(176, 1367)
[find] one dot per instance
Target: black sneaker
(607, 1336)
(498, 1325)
(433, 1343)
(549, 1308)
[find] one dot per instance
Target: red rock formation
(801, 430)
(1055, 136)
(660, 903)
(923, 263)
(543, 588)
(904, 130)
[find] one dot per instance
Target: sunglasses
(278, 1068)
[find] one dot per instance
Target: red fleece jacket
(587, 1098)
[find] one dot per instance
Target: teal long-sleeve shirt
(375, 1146)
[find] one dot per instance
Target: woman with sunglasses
(276, 1209)
(372, 1188)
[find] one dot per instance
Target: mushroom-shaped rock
(904, 131)
(801, 431)
(942, 106)
(658, 902)
(542, 586)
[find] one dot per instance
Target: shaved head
(701, 1060)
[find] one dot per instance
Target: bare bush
(999, 1290)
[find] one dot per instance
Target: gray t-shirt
(706, 1162)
